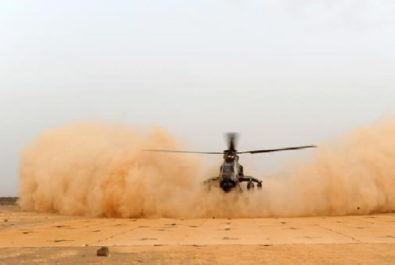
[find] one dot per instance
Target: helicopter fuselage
(231, 173)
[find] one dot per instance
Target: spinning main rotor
(231, 141)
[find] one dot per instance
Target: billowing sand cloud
(100, 170)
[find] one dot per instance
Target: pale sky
(279, 72)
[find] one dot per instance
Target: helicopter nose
(227, 185)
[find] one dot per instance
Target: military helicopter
(231, 173)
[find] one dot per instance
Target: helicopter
(231, 173)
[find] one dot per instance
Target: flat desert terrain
(41, 238)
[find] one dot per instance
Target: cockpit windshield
(228, 168)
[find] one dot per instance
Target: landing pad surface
(41, 238)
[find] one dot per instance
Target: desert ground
(42, 238)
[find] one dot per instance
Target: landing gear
(250, 185)
(259, 185)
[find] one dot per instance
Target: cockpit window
(228, 167)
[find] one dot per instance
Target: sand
(42, 238)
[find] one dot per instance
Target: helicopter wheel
(259, 185)
(250, 185)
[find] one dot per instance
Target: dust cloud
(100, 170)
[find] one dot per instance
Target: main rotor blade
(176, 151)
(276, 150)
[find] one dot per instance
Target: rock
(103, 252)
